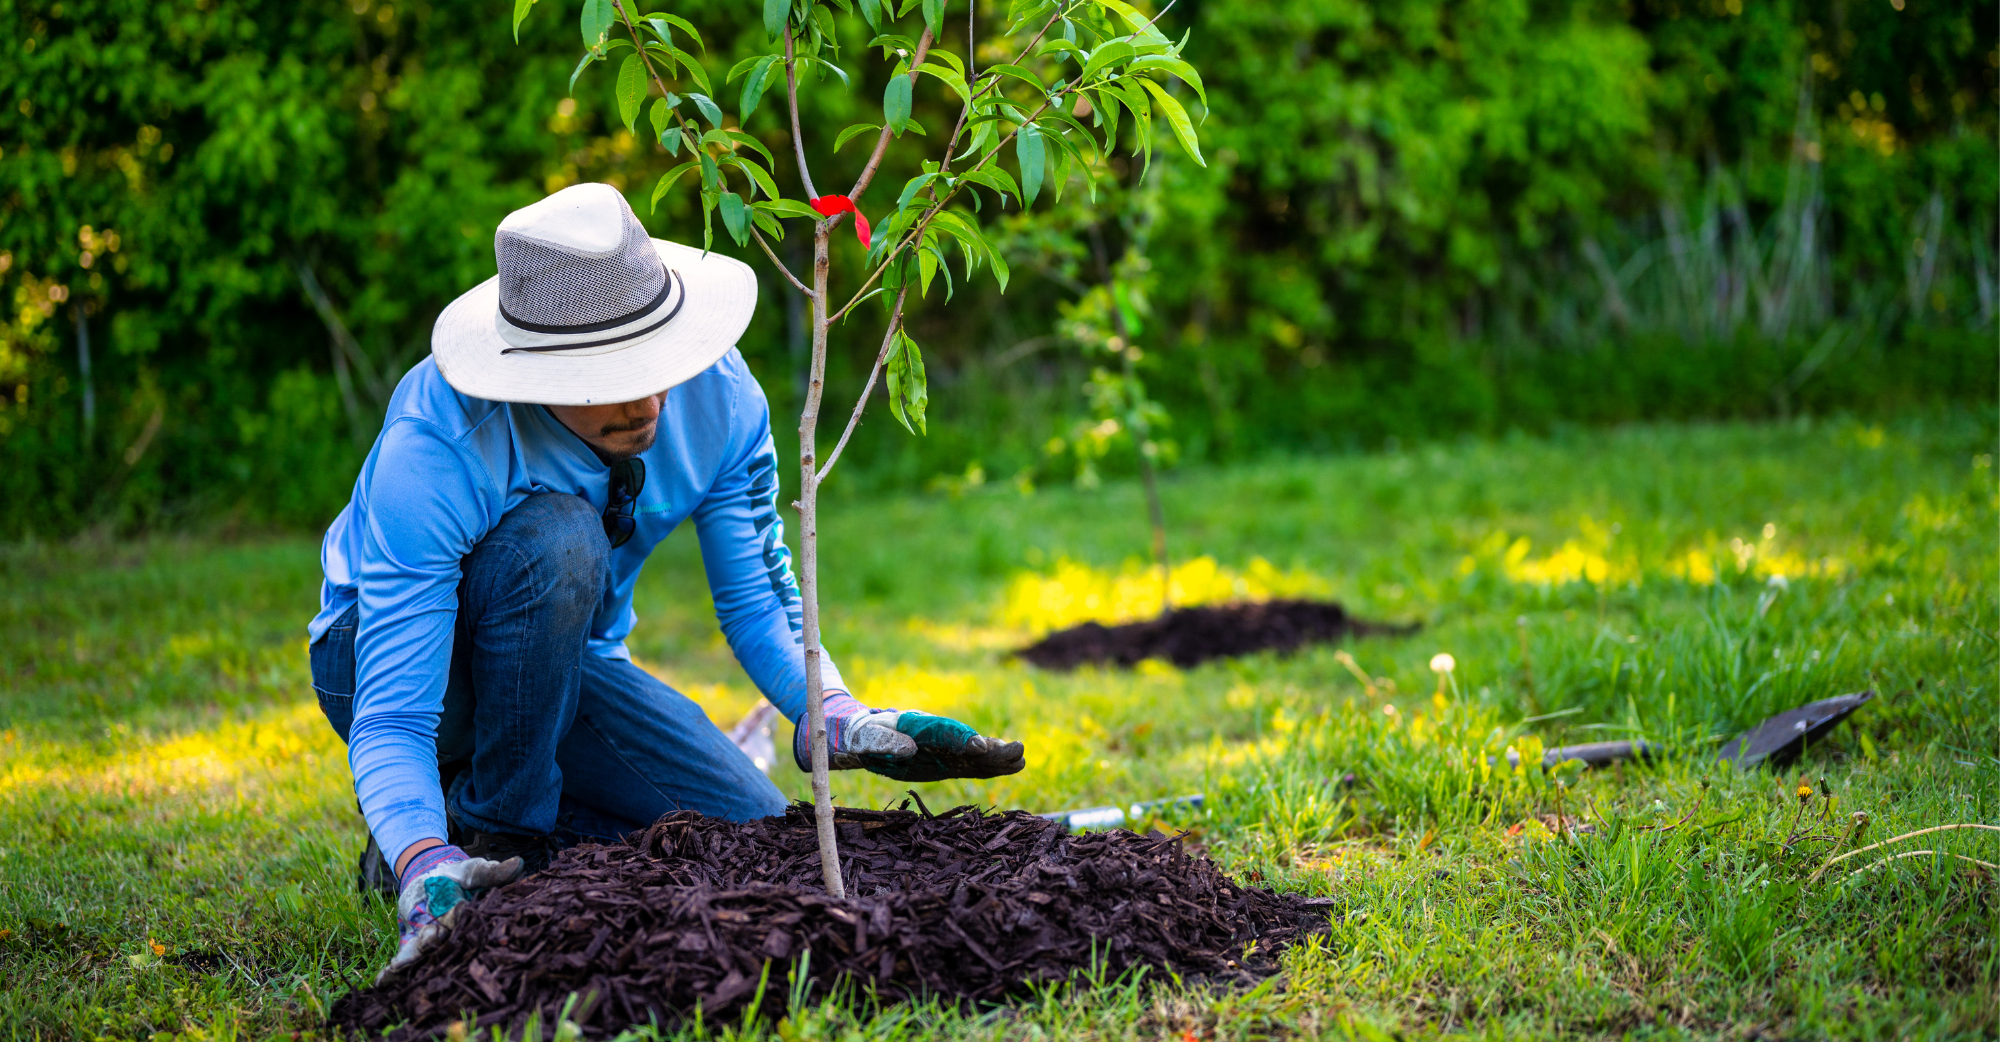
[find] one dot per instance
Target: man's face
(616, 432)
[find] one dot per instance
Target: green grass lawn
(177, 829)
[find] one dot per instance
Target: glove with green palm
(906, 745)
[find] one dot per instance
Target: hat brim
(721, 297)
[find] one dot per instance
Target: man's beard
(646, 435)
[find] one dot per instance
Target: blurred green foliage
(1418, 218)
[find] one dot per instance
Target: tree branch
(991, 84)
(639, 46)
(964, 113)
(882, 140)
(861, 403)
(916, 234)
(347, 349)
(787, 272)
(792, 99)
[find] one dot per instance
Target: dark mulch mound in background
(964, 905)
(1190, 636)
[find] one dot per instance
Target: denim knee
(551, 546)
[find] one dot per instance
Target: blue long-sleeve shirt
(444, 471)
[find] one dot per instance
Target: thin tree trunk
(83, 370)
(1156, 515)
(829, 845)
(1154, 511)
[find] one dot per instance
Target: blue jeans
(538, 736)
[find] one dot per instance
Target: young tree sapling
(1105, 51)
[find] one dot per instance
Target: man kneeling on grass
(470, 642)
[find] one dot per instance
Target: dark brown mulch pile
(963, 905)
(1190, 636)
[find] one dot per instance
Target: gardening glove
(907, 746)
(434, 884)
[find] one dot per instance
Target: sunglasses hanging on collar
(628, 479)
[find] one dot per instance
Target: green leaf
(1133, 97)
(768, 223)
(927, 266)
(588, 57)
(850, 132)
(891, 43)
(667, 180)
(520, 12)
(738, 69)
(666, 56)
(774, 17)
(1015, 71)
(788, 208)
(682, 24)
(596, 22)
(912, 187)
(631, 90)
(949, 78)
(943, 269)
(1021, 10)
(1142, 128)
(871, 12)
(835, 69)
(1061, 47)
(1062, 165)
(694, 69)
(757, 176)
(948, 58)
(896, 103)
(1177, 118)
(1033, 157)
(824, 31)
(734, 218)
(661, 115)
(934, 17)
(752, 144)
(1107, 109)
(709, 110)
(1053, 115)
(753, 88)
(909, 391)
(1175, 66)
(997, 179)
(970, 241)
(1001, 272)
(711, 175)
(1139, 22)
(982, 136)
(708, 204)
(1104, 55)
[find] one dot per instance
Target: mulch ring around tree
(1190, 636)
(967, 906)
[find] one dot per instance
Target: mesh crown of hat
(550, 284)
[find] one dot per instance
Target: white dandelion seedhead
(1442, 662)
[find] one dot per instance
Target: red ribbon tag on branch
(829, 205)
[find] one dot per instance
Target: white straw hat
(588, 309)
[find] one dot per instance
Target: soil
(968, 906)
(1190, 636)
